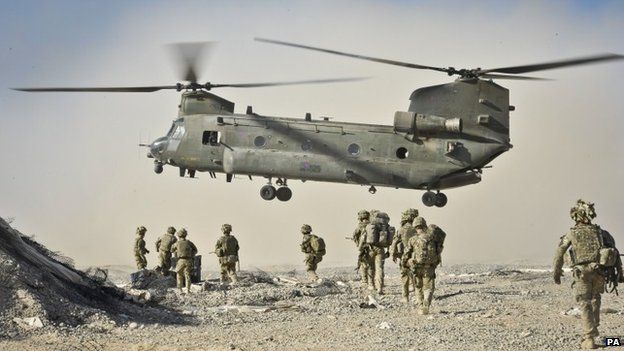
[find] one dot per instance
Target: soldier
(227, 252)
(314, 249)
(139, 248)
(379, 235)
(397, 249)
(185, 252)
(423, 254)
(364, 265)
(163, 246)
(593, 255)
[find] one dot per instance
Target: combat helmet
(363, 214)
(419, 222)
(226, 227)
(171, 230)
(409, 215)
(306, 229)
(141, 230)
(583, 211)
(182, 233)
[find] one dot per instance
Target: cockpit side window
(211, 137)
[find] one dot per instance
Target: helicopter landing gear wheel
(440, 200)
(283, 193)
(158, 168)
(429, 198)
(268, 192)
(372, 190)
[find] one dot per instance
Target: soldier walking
(185, 252)
(363, 262)
(423, 254)
(397, 250)
(163, 246)
(314, 249)
(226, 250)
(139, 248)
(593, 255)
(379, 235)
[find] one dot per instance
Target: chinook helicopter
(445, 139)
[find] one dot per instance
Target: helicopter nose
(158, 147)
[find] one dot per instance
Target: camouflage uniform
(227, 252)
(185, 252)
(422, 255)
(359, 234)
(312, 258)
(163, 246)
(397, 249)
(377, 252)
(139, 248)
(584, 242)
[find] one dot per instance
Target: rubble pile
(41, 289)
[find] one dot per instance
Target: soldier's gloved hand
(394, 259)
(146, 251)
(557, 277)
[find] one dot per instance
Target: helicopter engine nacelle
(413, 123)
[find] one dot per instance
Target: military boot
(588, 344)
(312, 276)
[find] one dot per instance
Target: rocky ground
(477, 307)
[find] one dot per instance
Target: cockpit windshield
(177, 128)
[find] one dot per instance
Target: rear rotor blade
(505, 76)
(147, 89)
(188, 57)
(272, 84)
(362, 57)
(555, 64)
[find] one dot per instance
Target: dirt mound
(40, 288)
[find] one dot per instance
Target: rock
(133, 325)
(384, 326)
(29, 323)
(526, 334)
(573, 312)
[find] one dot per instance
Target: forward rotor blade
(272, 84)
(555, 64)
(148, 89)
(361, 57)
(188, 57)
(505, 76)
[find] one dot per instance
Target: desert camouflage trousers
(407, 279)
(311, 261)
(377, 258)
(228, 272)
(588, 284)
(184, 268)
(424, 284)
(140, 259)
(164, 261)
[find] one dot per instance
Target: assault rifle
(612, 278)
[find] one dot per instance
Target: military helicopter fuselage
(449, 133)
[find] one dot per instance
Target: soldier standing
(185, 252)
(397, 249)
(314, 249)
(379, 235)
(227, 252)
(593, 255)
(359, 235)
(163, 246)
(139, 248)
(423, 254)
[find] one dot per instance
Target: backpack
(372, 234)
(318, 245)
(424, 251)
(184, 249)
(385, 237)
(229, 245)
(586, 244)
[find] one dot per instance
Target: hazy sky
(73, 175)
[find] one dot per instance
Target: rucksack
(385, 237)
(424, 250)
(586, 244)
(318, 245)
(229, 245)
(184, 249)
